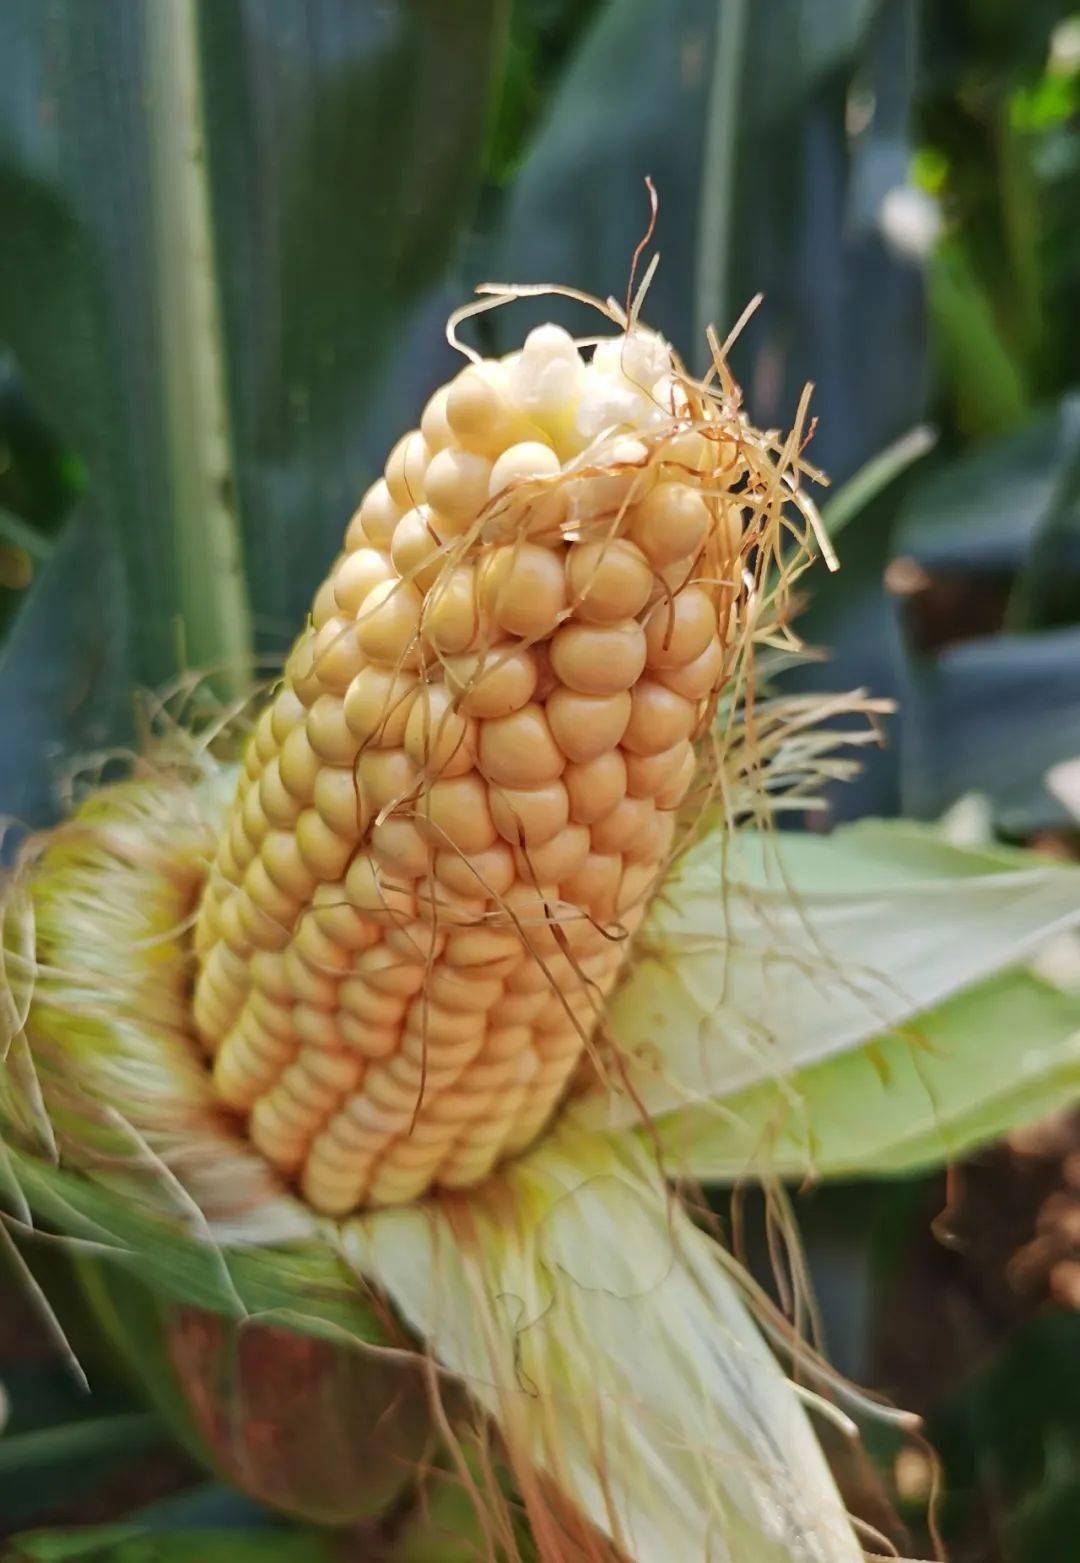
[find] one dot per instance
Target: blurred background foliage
(232, 233)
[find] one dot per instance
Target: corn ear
(244, 1002)
(454, 811)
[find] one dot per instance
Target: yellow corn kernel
(462, 792)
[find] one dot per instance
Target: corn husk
(301, 1424)
(766, 955)
(927, 1093)
(583, 1309)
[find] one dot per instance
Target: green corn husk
(301, 1424)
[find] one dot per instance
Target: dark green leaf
(306, 1287)
(1048, 591)
(346, 144)
(56, 1446)
(988, 382)
(39, 479)
(219, 220)
(992, 716)
(1010, 1443)
(38, 484)
(131, 1544)
(993, 712)
(738, 114)
(541, 34)
(855, 497)
(207, 1506)
(985, 511)
(64, 673)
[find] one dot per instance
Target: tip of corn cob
(454, 809)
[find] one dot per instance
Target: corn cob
(453, 811)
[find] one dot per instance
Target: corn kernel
(599, 659)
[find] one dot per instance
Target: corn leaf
(738, 112)
(963, 1074)
(57, 1452)
(602, 1329)
(769, 954)
(135, 1543)
(992, 715)
(209, 257)
(76, 1441)
(988, 383)
(64, 670)
(986, 511)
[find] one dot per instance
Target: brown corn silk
(455, 808)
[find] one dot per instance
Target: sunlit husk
(930, 1092)
(769, 954)
(102, 1071)
(583, 1309)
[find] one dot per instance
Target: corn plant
(344, 1041)
(366, 1040)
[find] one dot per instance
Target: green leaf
(873, 478)
(131, 1544)
(57, 1450)
(367, 126)
(1009, 1442)
(993, 716)
(207, 1506)
(64, 669)
(541, 34)
(1047, 593)
(111, 300)
(16, 533)
(987, 510)
(737, 112)
(766, 955)
(220, 221)
(959, 1075)
(741, 114)
(446, 1528)
(993, 713)
(73, 1441)
(987, 382)
(39, 480)
(307, 1286)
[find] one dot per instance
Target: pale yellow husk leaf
(587, 1313)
